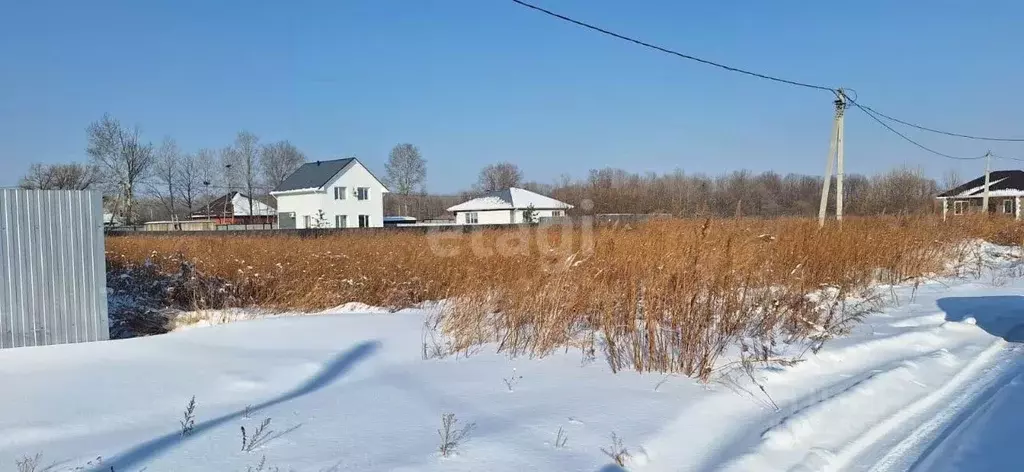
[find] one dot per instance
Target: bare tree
(241, 161)
(951, 179)
(165, 173)
(499, 176)
(277, 161)
(72, 176)
(406, 169)
(122, 159)
(194, 176)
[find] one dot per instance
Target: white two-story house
(341, 193)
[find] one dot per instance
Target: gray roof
(313, 174)
(998, 180)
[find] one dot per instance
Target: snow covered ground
(933, 382)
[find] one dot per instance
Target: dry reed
(663, 296)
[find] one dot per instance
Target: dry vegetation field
(667, 296)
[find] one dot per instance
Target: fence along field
(662, 296)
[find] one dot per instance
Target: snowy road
(934, 382)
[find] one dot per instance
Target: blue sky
(472, 82)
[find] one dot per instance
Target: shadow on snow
(331, 372)
(1001, 316)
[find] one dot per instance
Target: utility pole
(988, 171)
(835, 158)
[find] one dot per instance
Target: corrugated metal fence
(52, 268)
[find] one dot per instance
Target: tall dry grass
(665, 296)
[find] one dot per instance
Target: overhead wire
(673, 52)
(872, 113)
(908, 139)
(938, 131)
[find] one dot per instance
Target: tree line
(903, 190)
(138, 177)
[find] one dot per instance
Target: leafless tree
(277, 161)
(241, 161)
(165, 172)
(121, 158)
(951, 179)
(194, 176)
(406, 169)
(72, 176)
(499, 176)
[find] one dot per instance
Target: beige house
(1005, 194)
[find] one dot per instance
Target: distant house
(1005, 190)
(341, 193)
(508, 206)
(233, 209)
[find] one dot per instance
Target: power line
(870, 113)
(672, 52)
(947, 133)
(1008, 157)
(875, 115)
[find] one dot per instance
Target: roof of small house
(511, 198)
(1002, 183)
(235, 204)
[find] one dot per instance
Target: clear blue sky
(473, 82)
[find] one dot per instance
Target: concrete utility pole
(835, 157)
(988, 171)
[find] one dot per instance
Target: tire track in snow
(845, 456)
(747, 422)
(965, 405)
(832, 445)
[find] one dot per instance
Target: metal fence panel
(52, 268)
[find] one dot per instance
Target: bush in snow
(28, 463)
(451, 435)
(561, 438)
(617, 451)
(259, 436)
(188, 421)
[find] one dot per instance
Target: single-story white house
(1005, 193)
(508, 206)
(345, 191)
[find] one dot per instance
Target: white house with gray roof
(347, 193)
(508, 206)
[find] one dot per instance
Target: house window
(1008, 206)
(306, 221)
(341, 221)
(472, 218)
(364, 221)
(557, 213)
(339, 193)
(363, 193)
(959, 207)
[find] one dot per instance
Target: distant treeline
(743, 193)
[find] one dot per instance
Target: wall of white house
(354, 177)
(537, 215)
(503, 217)
(488, 217)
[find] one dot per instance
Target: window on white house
(959, 207)
(339, 193)
(1008, 206)
(341, 221)
(306, 221)
(362, 193)
(557, 213)
(472, 218)
(364, 221)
